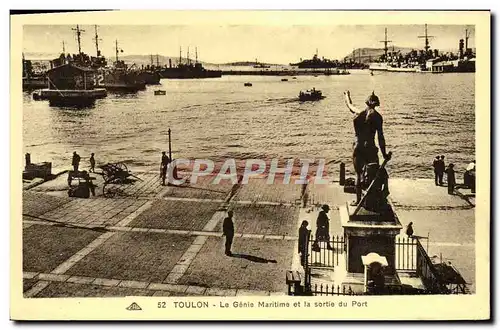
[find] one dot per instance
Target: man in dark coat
(76, 161)
(323, 227)
(409, 230)
(164, 166)
(450, 176)
(228, 231)
(303, 235)
(442, 169)
(436, 165)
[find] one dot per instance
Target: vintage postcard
(250, 165)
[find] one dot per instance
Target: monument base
(368, 232)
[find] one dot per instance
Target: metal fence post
(342, 174)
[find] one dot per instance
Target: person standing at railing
(409, 230)
(323, 228)
(303, 235)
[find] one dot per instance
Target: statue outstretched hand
(348, 102)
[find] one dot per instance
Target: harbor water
(425, 115)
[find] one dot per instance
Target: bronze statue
(367, 123)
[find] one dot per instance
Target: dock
(154, 240)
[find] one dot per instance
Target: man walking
(92, 163)
(163, 167)
(228, 231)
(76, 161)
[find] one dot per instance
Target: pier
(154, 240)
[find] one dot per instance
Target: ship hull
(378, 66)
(34, 83)
(408, 70)
(123, 87)
(174, 73)
(149, 78)
(72, 98)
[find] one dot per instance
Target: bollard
(27, 157)
(342, 174)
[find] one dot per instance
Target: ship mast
(157, 60)
(96, 39)
(188, 61)
(386, 42)
(180, 55)
(196, 55)
(64, 48)
(116, 48)
(426, 36)
(152, 63)
(78, 34)
(467, 36)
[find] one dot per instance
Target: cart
(115, 175)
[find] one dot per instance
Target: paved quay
(154, 240)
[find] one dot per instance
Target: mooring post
(27, 158)
(342, 174)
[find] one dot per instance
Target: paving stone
(176, 215)
(46, 247)
(53, 277)
(264, 219)
(80, 279)
(29, 275)
(133, 284)
(196, 290)
(58, 289)
(106, 282)
(36, 204)
(259, 190)
(256, 265)
(203, 189)
(28, 283)
(146, 257)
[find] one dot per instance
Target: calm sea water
(424, 115)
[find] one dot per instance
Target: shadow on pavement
(253, 258)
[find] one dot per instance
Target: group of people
(439, 169)
(75, 162)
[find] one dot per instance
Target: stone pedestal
(368, 232)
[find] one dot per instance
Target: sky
(228, 43)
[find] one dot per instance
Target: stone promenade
(154, 240)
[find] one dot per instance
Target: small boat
(294, 78)
(311, 95)
(160, 92)
(284, 79)
(247, 84)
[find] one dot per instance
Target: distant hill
(368, 55)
